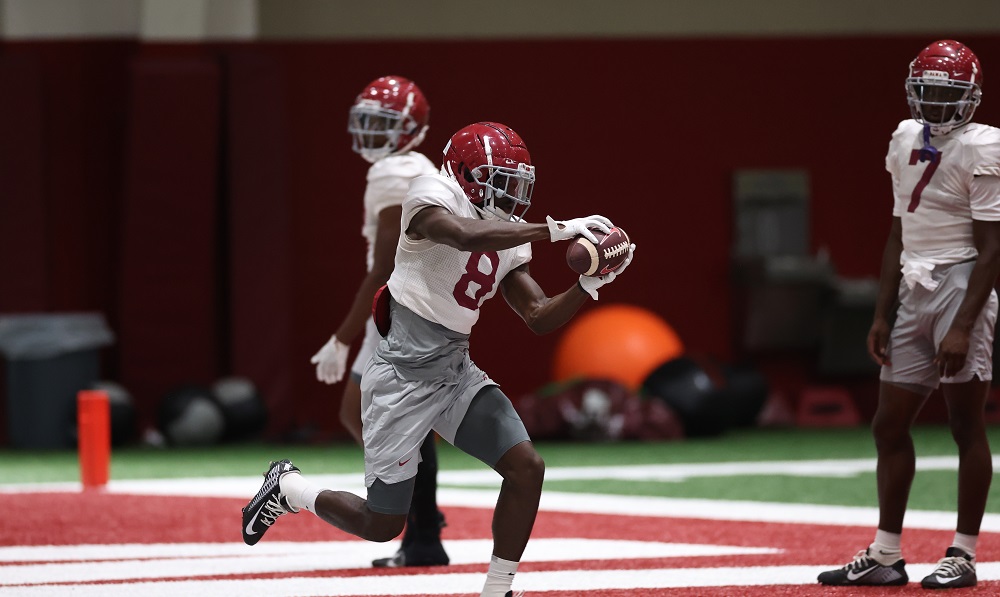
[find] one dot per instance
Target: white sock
(966, 543)
(499, 577)
(299, 492)
(886, 549)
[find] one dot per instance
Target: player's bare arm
(955, 344)
(384, 253)
(467, 234)
(541, 313)
(891, 276)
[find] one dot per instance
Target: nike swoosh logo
(606, 270)
(405, 461)
(945, 581)
(249, 530)
(855, 576)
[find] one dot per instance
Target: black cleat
(864, 570)
(421, 545)
(268, 504)
(416, 553)
(956, 569)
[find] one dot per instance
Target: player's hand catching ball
(590, 284)
(567, 229)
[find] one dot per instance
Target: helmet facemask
(940, 102)
(378, 132)
(505, 192)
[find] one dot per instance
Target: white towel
(919, 272)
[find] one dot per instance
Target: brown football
(588, 259)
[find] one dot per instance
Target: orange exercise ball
(623, 343)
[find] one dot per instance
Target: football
(610, 252)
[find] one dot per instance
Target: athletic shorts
(420, 378)
(922, 321)
(368, 345)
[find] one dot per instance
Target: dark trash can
(49, 358)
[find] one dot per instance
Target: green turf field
(933, 489)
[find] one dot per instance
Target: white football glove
(590, 284)
(331, 361)
(573, 228)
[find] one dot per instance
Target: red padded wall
(259, 258)
(23, 226)
(206, 199)
(61, 116)
(647, 132)
(169, 274)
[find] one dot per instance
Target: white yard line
(751, 511)
(89, 563)
(463, 583)
(483, 477)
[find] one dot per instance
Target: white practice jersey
(388, 181)
(440, 283)
(935, 200)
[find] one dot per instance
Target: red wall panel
(169, 275)
(646, 132)
(23, 227)
(259, 258)
(242, 257)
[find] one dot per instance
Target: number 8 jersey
(936, 198)
(440, 283)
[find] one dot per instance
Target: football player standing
(464, 237)
(387, 121)
(940, 263)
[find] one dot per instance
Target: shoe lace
(953, 566)
(861, 561)
(271, 477)
(271, 510)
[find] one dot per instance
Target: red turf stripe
(93, 518)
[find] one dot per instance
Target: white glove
(331, 361)
(573, 228)
(590, 284)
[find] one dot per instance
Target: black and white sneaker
(268, 504)
(955, 569)
(865, 570)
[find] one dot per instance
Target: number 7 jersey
(934, 197)
(440, 283)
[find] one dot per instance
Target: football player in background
(464, 237)
(940, 263)
(387, 121)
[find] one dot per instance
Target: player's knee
(967, 429)
(386, 535)
(889, 432)
(382, 528)
(526, 468)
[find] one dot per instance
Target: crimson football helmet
(389, 116)
(492, 165)
(944, 86)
